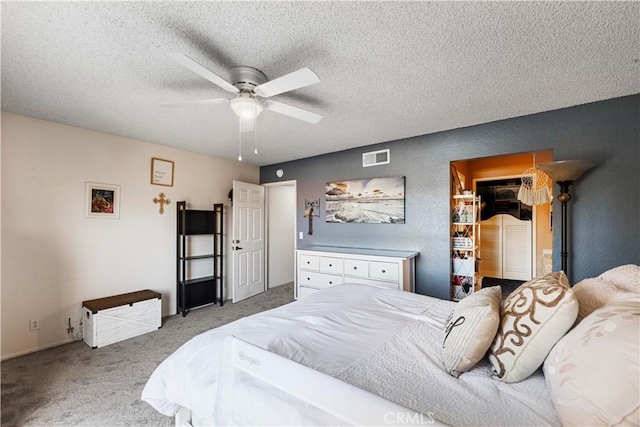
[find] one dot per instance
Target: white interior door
(491, 247)
(506, 244)
(516, 253)
(248, 241)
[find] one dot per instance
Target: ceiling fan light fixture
(246, 107)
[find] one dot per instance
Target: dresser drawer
(318, 280)
(309, 262)
(384, 271)
(376, 283)
(331, 265)
(356, 267)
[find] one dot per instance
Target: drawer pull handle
(355, 268)
(330, 282)
(384, 271)
(308, 278)
(330, 265)
(308, 262)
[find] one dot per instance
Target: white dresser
(319, 267)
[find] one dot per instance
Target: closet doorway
(507, 225)
(506, 170)
(281, 232)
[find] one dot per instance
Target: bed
(362, 344)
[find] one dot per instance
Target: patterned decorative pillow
(593, 372)
(594, 293)
(625, 277)
(471, 329)
(534, 317)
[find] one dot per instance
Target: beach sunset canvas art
(372, 200)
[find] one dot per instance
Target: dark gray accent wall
(604, 213)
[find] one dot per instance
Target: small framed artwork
(161, 172)
(102, 200)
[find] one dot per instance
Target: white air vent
(375, 158)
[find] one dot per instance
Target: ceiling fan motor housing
(246, 78)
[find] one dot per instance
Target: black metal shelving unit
(199, 291)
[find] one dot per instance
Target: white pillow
(594, 293)
(471, 329)
(533, 318)
(625, 277)
(593, 372)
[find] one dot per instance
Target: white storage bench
(119, 317)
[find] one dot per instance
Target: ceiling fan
(250, 85)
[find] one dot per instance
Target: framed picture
(161, 172)
(373, 201)
(102, 200)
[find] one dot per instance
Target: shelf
(187, 258)
(465, 237)
(200, 291)
(198, 280)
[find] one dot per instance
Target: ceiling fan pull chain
(239, 140)
(255, 129)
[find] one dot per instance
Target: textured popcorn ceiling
(388, 70)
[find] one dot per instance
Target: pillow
(592, 373)
(625, 277)
(534, 317)
(594, 293)
(470, 330)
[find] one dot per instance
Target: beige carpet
(73, 385)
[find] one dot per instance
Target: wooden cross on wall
(161, 199)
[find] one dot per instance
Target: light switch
(301, 235)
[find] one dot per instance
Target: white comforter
(385, 341)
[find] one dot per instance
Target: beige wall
(53, 257)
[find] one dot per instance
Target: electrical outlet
(34, 324)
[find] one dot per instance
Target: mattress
(382, 340)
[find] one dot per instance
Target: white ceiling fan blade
(296, 80)
(291, 111)
(199, 102)
(189, 63)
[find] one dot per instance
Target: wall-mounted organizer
(312, 207)
(204, 288)
(465, 245)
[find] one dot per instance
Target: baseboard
(33, 350)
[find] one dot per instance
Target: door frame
(534, 229)
(290, 183)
